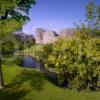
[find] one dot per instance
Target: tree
(92, 25)
(13, 15)
(30, 41)
(93, 15)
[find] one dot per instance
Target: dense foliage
(7, 48)
(13, 14)
(76, 61)
(24, 40)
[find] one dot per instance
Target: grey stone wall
(47, 36)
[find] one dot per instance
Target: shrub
(75, 60)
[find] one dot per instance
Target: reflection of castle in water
(47, 36)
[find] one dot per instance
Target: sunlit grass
(25, 91)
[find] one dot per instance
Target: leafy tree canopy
(13, 14)
(93, 15)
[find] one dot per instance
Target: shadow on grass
(22, 84)
(35, 78)
(12, 93)
(52, 80)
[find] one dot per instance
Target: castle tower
(39, 35)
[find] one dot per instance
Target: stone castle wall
(46, 36)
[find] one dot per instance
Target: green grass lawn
(22, 84)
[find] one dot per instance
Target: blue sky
(56, 14)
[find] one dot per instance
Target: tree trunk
(1, 75)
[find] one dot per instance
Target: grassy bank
(41, 87)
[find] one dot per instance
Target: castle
(44, 36)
